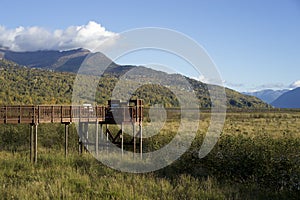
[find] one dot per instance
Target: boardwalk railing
(50, 114)
(67, 114)
(115, 113)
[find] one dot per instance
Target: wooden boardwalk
(68, 114)
(115, 113)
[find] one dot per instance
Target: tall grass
(82, 177)
(257, 157)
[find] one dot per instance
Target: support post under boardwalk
(97, 138)
(80, 144)
(141, 140)
(134, 138)
(35, 143)
(31, 142)
(66, 138)
(86, 135)
(122, 140)
(101, 136)
(106, 131)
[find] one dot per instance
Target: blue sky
(255, 44)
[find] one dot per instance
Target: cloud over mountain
(296, 84)
(88, 36)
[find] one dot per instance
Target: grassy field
(257, 157)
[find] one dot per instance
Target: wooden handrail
(54, 113)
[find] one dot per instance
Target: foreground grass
(82, 177)
(257, 157)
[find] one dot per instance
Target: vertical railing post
(52, 113)
(20, 113)
(33, 117)
(88, 109)
(96, 108)
(79, 113)
(124, 115)
(61, 113)
(71, 114)
(5, 114)
(39, 115)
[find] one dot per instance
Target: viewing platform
(116, 112)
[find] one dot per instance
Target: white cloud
(233, 85)
(274, 86)
(295, 84)
(203, 79)
(88, 36)
(208, 80)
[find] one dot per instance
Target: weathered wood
(86, 135)
(31, 142)
(5, 114)
(54, 113)
(50, 114)
(66, 138)
(34, 115)
(35, 143)
(101, 136)
(134, 138)
(106, 132)
(80, 143)
(97, 138)
(141, 140)
(122, 139)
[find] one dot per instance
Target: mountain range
(279, 98)
(267, 95)
(55, 62)
(290, 99)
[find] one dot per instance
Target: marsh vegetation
(256, 157)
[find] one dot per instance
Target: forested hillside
(22, 85)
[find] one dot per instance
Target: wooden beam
(20, 114)
(86, 135)
(66, 138)
(31, 142)
(35, 143)
(134, 138)
(106, 131)
(122, 139)
(5, 114)
(80, 145)
(141, 140)
(97, 138)
(118, 135)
